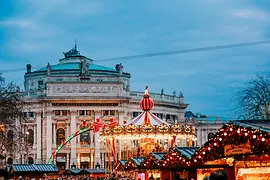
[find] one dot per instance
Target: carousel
(145, 134)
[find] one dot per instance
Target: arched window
(60, 136)
(168, 117)
(30, 136)
(85, 138)
(30, 160)
(211, 136)
(10, 135)
(10, 160)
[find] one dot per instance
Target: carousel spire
(146, 103)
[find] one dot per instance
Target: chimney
(28, 68)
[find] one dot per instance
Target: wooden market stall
(133, 166)
(32, 170)
(241, 148)
(176, 163)
(85, 173)
(151, 165)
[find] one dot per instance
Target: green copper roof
(75, 66)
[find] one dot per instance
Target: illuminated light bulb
(220, 139)
(215, 144)
(246, 134)
(203, 152)
(254, 136)
(263, 139)
(238, 131)
(199, 157)
(209, 148)
(195, 160)
(125, 141)
(225, 134)
(231, 129)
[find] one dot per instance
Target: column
(97, 143)
(73, 141)
(35, 136)
(67, 161)
(121, 117)
(39, 138)
(54, 135)
(199, 137)
(49, 134)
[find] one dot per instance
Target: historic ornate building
(59, 97)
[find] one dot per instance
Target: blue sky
(37, 32)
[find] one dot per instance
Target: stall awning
(158, 155)
(263, 125)
(42, 168)
(122, 162)
(187, 152)
(96, 171)
(137, 160)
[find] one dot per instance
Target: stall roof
(48, 168)
(187, 152)
(263, 125)
(85, 171)
(158, 155)
(96, 171)
(137, 160)
(122, 162)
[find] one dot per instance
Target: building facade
(59, 97)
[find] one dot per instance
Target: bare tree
(254, 100)
(11, 119)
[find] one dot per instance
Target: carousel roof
(146, 117)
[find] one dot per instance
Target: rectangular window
(31, 114)
(112, 113)
(57, 113)
(105, 113)
(81, 113)
(135, 114)
(40, 83)
(88, 113)
(64, 113)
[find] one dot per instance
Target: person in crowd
(218, 175)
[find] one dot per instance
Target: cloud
(40, 31)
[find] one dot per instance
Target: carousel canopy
(146, 117)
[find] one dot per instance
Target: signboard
(85, 159)
(60, 159)
(237, 149)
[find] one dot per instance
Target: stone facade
(59, 97)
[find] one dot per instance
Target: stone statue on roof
(162, 91)
(174, 93)
(181, 94)
(48, 69)
(84, 68)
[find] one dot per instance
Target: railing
(158, 97)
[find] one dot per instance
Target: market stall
(151, 165)
(241, 148)
(32, 170)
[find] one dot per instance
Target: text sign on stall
(237, 149)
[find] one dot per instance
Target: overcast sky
(38, 31)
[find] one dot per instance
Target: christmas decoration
(246, 140)
(152, 161)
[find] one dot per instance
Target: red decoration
(146, 103)
(112, 123)
(97, 125)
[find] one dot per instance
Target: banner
(237, 149)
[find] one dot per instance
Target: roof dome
(146, 103)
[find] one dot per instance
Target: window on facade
(57, 113)
(30, 136)
(10, 160)
(10, 135)
(112, 113)
(85, 138)
(160, 115)
(61, 113)
(60, 136)
(30, 160)
(105, 113)
(29, 114)
(40, 83)
(64, 113)
(85, 113)
(168, 116)
(173, 117)
(135, 114)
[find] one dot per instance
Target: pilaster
(73, 141)
(49, 134)
(38, 137)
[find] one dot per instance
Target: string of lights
(166, 53)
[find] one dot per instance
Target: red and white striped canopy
(146, 117)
